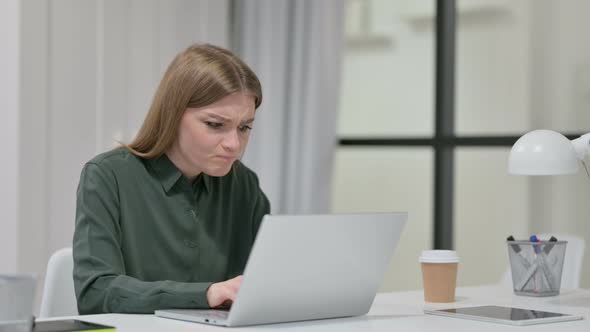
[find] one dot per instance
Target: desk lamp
(546, 152)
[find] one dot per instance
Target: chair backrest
(59, 298)
(572, 265)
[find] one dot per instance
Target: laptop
(17, 294)
(309, 267)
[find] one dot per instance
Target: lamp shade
(543, 152)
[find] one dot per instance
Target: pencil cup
(536, 267)
(439, 275)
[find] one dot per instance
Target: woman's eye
(214, 124)
(245, 128)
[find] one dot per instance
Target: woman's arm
(100, 280)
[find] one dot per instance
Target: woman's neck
(182, 164)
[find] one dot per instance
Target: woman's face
(212, 137)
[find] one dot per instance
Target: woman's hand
(222, 294)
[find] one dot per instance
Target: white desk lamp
(546, 152)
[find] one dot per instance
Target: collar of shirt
(168, 174)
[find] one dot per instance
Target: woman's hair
(199, 76)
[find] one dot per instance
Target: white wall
(9, 111)
(490, 204)
(33, 127)
(89, 70)
(493, 68)
(384, 180)
(492, 98)
(78, 74)
(388, 89)
(560, 98)
(387, 84)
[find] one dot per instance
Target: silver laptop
(17, 293)
(309, 267)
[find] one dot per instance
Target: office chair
(572, 265)
(59, 298)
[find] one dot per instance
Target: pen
(542, 260)
(517, 250)
(528, 275)
(520, 266)
(548, 246)
(515, 247)
(542, 257)
(549, 267)
(538, 277)
(534, 238)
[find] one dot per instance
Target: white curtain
(295, 48)
(87, 73)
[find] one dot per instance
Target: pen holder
(536, 267)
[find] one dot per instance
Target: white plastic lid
(439, 256)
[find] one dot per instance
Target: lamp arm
(582, 146)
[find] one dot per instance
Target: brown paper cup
(440, 281)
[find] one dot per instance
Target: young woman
(168, 220)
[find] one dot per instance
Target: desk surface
(402, 311)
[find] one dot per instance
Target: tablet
(505, 315)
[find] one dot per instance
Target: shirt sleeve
(100, 281)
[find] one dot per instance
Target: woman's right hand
(222, 294)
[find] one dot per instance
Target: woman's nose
(231, 141)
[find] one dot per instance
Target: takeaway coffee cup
(439, 275)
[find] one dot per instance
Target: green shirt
(146, 238)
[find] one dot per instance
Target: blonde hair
(199, 76)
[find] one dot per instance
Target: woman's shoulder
(243, 173)
(240, 179)
(247, 186)
(119, 158)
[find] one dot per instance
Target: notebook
(70, 325)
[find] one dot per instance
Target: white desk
(394, 312)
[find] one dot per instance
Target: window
(518, 66)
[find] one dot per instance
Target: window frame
(445, 141)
